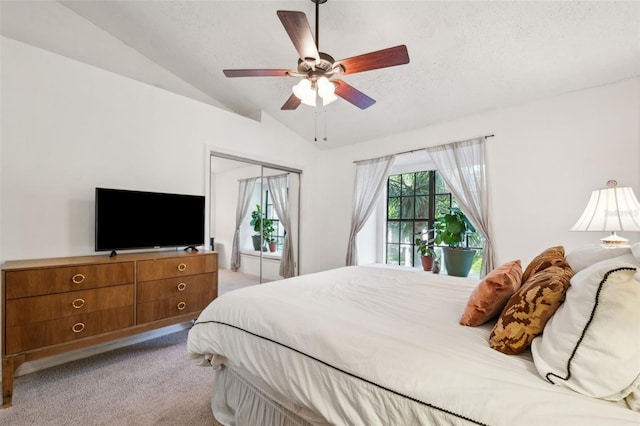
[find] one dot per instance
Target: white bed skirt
(240, 400)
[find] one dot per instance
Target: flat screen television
(127, 220)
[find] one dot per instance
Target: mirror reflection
(254, 221)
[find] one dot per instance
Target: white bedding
(382, 346)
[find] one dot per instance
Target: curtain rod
(262, 177)
(421, 149)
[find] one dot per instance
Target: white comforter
(382, 346)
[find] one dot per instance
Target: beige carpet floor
(148, 383)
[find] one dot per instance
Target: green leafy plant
(423, 247)
(262, 225)
(452, 229)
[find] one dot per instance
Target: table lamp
(611, 209)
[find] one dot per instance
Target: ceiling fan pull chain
(325, 125)
(315, 129)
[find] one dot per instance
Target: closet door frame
(209, 154)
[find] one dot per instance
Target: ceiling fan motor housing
(315, 68)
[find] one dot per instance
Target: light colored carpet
(149, 383)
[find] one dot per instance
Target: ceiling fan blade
(292, 103)
(300, 33)
(257, 73)
(390, 57)
(353, 95)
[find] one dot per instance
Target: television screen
(136, 220)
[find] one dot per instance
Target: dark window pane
(393, 233)
(408, 184)
(422, 183)
(416, 257)
(407, 234)
(395, 185)
(406, 255)
(422, 207)
(443, 205)
(441, 187)
(393, 255)
(421, 227)
(393, 208)
(407, 207)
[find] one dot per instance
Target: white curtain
(462, 166)
(279, 194)
(371, 176)
(245, 191)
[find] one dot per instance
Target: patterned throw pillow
(549, 257)
(529, 309)
(492, 294)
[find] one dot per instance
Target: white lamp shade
(610, 209)
(327, 99)
(325, 87)
(305, 92)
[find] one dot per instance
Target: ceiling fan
(318, 68)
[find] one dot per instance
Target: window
(270, 213)
(414, 200)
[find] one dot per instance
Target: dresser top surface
(13, 265)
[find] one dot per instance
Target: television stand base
(190, 248)
(113, 253)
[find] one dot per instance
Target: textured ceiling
(465, 57)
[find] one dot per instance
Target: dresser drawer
(175, 267)
(36, 282)
(163, 289)
(42, 308)
(179, 305)
(45, 333)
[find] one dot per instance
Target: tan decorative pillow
(492, 293)
(549, 257)
(529, 309)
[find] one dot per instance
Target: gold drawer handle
(181, 286)
(182, 267)
(77, 327)
(78, 278)
(78, 303)
(181, 306)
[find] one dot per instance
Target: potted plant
(267, 232)
(263, 228)
(427, 254)
(452, 230)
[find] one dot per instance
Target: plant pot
(272, 247)
(458, 261)
(427, 262)
(257, 242)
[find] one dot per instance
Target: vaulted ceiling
(465, 57)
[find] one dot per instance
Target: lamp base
(614, 241)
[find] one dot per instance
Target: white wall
(69, 127)
(544, 161)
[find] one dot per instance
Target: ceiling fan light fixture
(325, 87)
(305, 92)
(326, 90)
(327, 99)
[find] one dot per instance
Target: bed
(373, 345)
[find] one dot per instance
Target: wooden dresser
(51, 306)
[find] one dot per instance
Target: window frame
(434, 198)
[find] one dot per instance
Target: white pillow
(635, 249)
(583, 257)
(592, 343)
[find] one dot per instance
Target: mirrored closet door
(254, 212)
